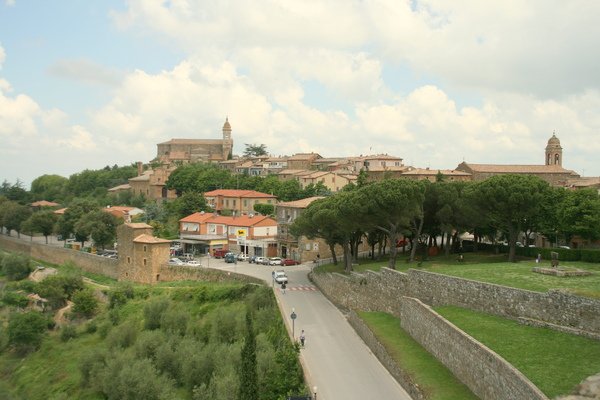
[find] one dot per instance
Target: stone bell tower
(227, 140)
(553, 151)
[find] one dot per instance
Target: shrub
(592, 256)
(120, 294)
(26, 330)
(15, 267)
(11, 298)
(68, 332)
(153, 312)
(89, 362)
(85, 303)
(122, 336)
(148, 343)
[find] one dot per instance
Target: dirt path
(59, 317)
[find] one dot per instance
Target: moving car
(289, 261)
(275, 261)
(280, 277)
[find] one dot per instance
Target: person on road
(302, 338)
(283, 286)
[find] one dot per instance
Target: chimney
(140, 168)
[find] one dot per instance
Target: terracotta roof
(584, 182)
(198, 217)
(238, 193)
(303, 156)
(380, 157)
(144, 177)
(193, 141)
(138, 225)
(276, 159)
(381, 168)
(291, 171)
(60, 211)
(144, 238)
(428, 171)
(315, 174)
(125, 186)
(44, 203)
(519, 169)
(244, 220)
(302, 203)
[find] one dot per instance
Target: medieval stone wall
(382, 291)
(487, 374)
(59, 255)
(170, 273)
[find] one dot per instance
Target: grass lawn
(493, 268)
(431, 375)
(554, 361)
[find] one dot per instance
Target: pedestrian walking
(283, 286)
(302, 338)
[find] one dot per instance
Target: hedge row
(586, 255)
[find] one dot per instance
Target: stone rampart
(553, 307)
(381, 353)
(170, 273)
(487, 374)
(382, 291)
(59, 255)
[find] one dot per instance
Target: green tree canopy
(255, 150)
(48, 187)
(199, 178)
(26, 330)
(41, 222)
(13, 215)
(508, 201)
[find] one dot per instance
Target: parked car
(193, 263)
(275, 261)
(175, 261)
(289, 261)
(230, 258)
(280, 277)
(564, 247)
(261, 260)
(243, 257)
(219, 253)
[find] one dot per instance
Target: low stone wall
(487, 374)
(381, 353)
(170, 273)
(381, 292)
(553, 307)
(59, 255)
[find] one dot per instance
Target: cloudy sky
(84, 84)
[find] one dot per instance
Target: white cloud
(9, 3)
(86, 71)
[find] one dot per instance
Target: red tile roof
(244, 220)
(238, 193)
(198, 217)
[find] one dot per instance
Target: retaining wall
(60, 255)
(382, 291)
(487, 374)
(170, 273)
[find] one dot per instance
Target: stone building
(238, 201)
(140, 253)
(197, 150)
(551, 171)
(152, 183)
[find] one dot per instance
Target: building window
(144, 262)
(145, 248)
(128, 260)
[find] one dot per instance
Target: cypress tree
(248, 373)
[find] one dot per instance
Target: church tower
(227, 140)
(553, 151)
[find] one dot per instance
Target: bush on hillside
(15, 267)
(26, 330)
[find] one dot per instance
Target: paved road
(335, 358)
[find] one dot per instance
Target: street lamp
(315, 392)
(293, 317)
